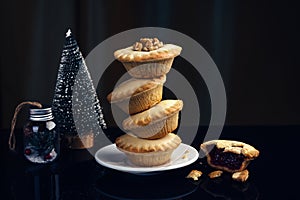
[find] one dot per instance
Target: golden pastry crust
(134, 144)
(165, 52)
(136, 95)
(232, 146)
(160, 111)
(133, 87)
(229, 146)
(215, 174)
(194, 174)
(155, 122)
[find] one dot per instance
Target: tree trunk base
(80, 142)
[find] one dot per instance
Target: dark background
(255, 45)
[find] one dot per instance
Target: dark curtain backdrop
(255, 45)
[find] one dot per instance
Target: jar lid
(41, 114)
(42, 111)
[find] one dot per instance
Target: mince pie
(147, 153)
(227, 155)
(148, 58)
(155, 122)
(136, 95)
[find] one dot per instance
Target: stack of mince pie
(149, 140)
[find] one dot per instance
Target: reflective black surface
(76, 175)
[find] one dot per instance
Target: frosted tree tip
(68, 34)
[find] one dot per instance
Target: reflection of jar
(41, 142)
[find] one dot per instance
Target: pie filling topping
(227, 159)
(147, 44)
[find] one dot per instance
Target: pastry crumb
(215, 174)
(241, 176)
(194, 174)
(185, 155)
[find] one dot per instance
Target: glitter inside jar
(41, 139)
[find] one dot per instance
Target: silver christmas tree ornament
(76, 106)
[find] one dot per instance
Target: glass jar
(41, 139)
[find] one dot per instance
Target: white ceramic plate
(109, 156)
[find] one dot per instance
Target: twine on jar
(12, 138)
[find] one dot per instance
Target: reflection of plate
(171, 184)
(109, 156)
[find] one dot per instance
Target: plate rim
(146, 170)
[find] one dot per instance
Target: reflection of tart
(143, 152)
(227, 155)
(136, 95)
(151, 60)
(155, 122)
